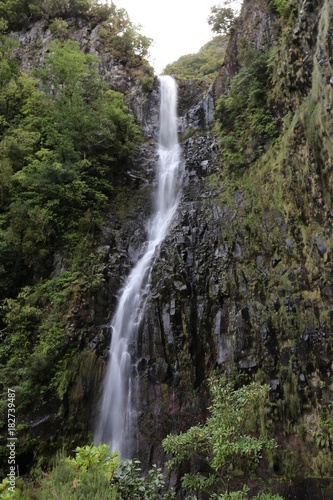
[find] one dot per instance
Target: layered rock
(240, 285)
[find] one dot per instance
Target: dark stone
(289, 243)
(327, 291)
(275, 384)
(276, 303)
(320, 245)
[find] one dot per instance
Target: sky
(177, 27)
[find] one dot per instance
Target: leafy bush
(132, 485)
(221, 19)
(94, 472)
(245, 120)
(59, 27)
(87, 475)
(283, 7)
(124, 40)
(226, 440)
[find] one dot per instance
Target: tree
(19, 13)
(221, 19)
(226, 440)
(64, 137)
(206, 63)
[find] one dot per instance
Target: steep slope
(72, 216)
(243, 284)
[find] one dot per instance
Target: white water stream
(116, 417)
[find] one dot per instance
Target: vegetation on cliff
(65, 141)
(262, 277)
(273, 123)
(18, 14)
(206, 63)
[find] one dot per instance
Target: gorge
(241, 283)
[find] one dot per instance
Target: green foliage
(19, 14)
(245, 121)
(323, 434)
(206, 63)
(59, 150)
(226, 439)
(94, 472)
(59, 27)
(284, 7)
(36, 330)
(87, 475)
(221, 19)
(87, 457)
(7, 493)
(240, 495)
(123, 39)
(131, 485)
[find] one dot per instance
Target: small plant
(7, 491)
(283, 7)
(324, 433)
(87, 475)
(59, 27)
(225, 440)
(88, 457)
(132, 485)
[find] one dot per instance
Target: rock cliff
(244, 280)
(243, 283)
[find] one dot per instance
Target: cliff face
(244, 280)
(255, 28)
(243, 283)
(131, 79)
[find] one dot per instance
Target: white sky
(178, 27)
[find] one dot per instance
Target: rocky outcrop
(34, 43)
(254, 29)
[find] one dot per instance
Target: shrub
(244, 118)
(226, 439)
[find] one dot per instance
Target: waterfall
(116, 419)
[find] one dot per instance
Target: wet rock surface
(219, 298)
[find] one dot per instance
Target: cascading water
(115, 424)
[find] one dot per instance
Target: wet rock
(238, 252)
(275, 384)
(289, 243)
(320, 245)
